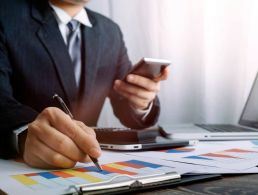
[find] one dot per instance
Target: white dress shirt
(63, 19)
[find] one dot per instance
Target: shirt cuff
(16, 133)
(143, 113)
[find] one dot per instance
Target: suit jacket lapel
(50, 36)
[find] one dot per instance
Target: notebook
(246, 129)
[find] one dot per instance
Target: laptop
(246, 129)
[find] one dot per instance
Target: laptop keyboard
(224, 128)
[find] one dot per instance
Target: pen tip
(96, 163)
(100, 168)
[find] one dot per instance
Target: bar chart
(88, 175)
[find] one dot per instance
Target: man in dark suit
(57, 46)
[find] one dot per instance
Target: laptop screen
(249, 116)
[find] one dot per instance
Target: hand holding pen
(55, 140)
(67, 111)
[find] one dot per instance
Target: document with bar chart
(237, 155)
(16, 176)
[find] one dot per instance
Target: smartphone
(150, 67)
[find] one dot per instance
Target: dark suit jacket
(35, 64)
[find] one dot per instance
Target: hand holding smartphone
(150, 67)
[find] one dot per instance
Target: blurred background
(213, 46)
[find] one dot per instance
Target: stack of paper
(206, 157)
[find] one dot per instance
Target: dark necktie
(74, 48)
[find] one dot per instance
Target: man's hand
(54, 140)
(140, 91)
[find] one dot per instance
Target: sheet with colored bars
(178, 150)
(237, 155)
(87, 175)
(234, 155)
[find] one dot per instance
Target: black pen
(67, 111)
